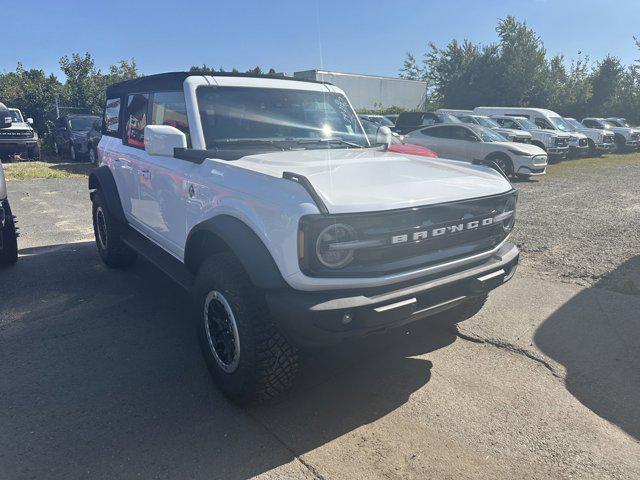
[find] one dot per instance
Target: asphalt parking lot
(101, 375)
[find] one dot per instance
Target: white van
(547, 121)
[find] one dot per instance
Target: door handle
(146, 174)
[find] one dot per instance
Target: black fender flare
(230, 233)
(102, 179)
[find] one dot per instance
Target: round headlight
(330, 248)
(509, 222)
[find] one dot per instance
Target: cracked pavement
(101, 377)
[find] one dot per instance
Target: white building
(372, 92)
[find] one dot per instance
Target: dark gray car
(71, 135)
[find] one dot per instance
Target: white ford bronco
(263, 197)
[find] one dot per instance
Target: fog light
(347, 318)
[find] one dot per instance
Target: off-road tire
(621, 144)
(9, 252)
(593, 151)
(267, 363)
(108, 231)
(73, 153)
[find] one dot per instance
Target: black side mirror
(5, 119)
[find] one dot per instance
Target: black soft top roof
(174, 80)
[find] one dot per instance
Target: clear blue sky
(354, 36)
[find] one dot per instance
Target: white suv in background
(473, 143)
(626, 138)
(600, 140)
(555, 144)
(264, 199)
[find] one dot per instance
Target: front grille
(635, 136)
(389, 256)
(583, 142)
(561, 142)
(13, 134)
(608, 139)
(521, 139)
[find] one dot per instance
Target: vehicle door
(164, 185)
(431, 138)
(462, 142)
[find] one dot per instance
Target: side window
(428, 120)
(432, 132)
(111, 120)
(461, 133)
(448, 132)
(505, 122)
(542, 123)
(589, 123)
(137, 106)
(169, 108)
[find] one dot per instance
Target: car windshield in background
(382, 121)
(247, 114)
(574, 123)
(607, 124)
(527, 124)
(448, 118)
(487, 122)
(15, 116)
(560, 124)
(81, 124)
(621, 122)
(488, 135)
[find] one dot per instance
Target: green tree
(522, 66)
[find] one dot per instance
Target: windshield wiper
(328, 141)
(248, 142)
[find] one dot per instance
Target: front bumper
(322, 318)
(17, 146)
(558, 152)
(605, 147)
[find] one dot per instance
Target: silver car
(475, 143)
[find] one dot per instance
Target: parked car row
(490, 133)
(75, 135)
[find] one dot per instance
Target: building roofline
(363, 75)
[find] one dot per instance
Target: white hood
(523, 147)
(366, 180)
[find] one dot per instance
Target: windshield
(560, 124)
(16, 116)
(487, 122)
(243, 114)
(488, 135)
(382, 121)
(448, 118)
(527, 124)
(621, 122)
(606, 124)
(574, 123)
(82, 124)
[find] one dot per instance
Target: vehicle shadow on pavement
(596, 337)
(101, 377)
